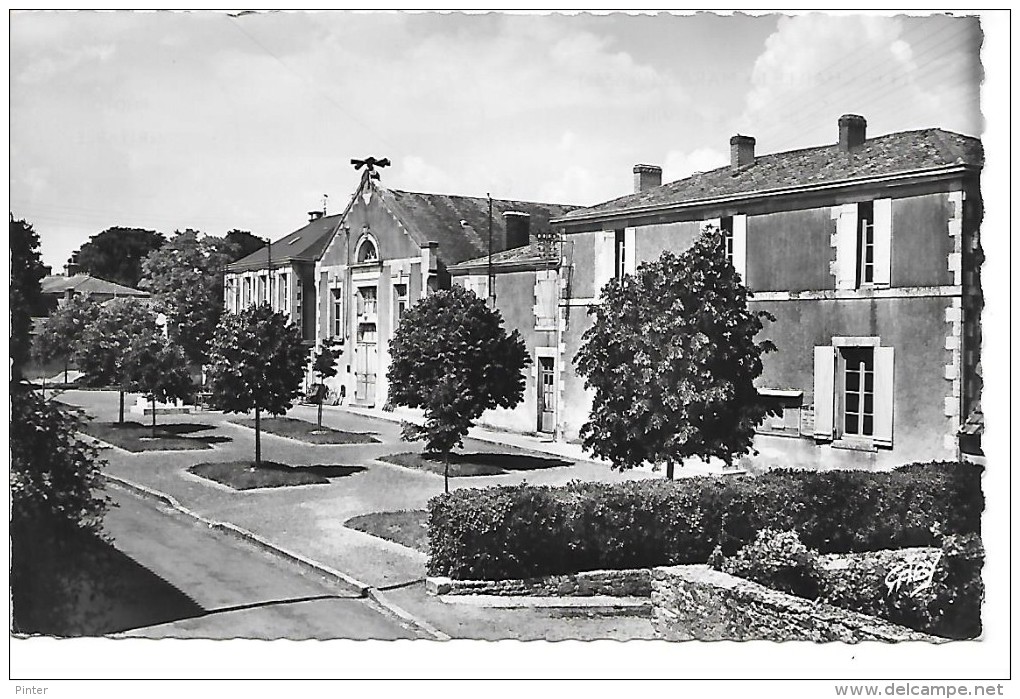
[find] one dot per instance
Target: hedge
(525, 531)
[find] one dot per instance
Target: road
(244, 591)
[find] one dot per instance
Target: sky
(202, 120)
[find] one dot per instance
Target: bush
(949, 606)
(523, 531)
(779, 560)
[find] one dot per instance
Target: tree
(155, 367)
(242, 243)
(257, 362)
(324, 366)
(105, 343)
(671, 358)
(451, 356)
(27, 272)
(59, 336)
(185, 276)
(116, 254)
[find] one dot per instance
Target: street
(245, 592)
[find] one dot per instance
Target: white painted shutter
(605, 258)
(883, 241)
(825, 370)
(740, 246)
(846, 246)
(629, 246)
(883, 427)
(324, 330)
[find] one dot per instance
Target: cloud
(816, 67)
(683, 164)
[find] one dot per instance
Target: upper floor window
(366, 301)
(620, 253)
(284, 296)
(366, 251)
(338, 313)
(865, 244)
(400, 301)
(726, 227)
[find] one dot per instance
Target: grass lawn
(136, 437)
(308, 431)
(405, 527)
(475, 464)
(244, 475)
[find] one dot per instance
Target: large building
(867, 253)
(348, 277)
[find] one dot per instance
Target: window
(784, 411)
(298, 318)
(367, 333)
(247, 291)
(338, 312)
(400, 301)
(284, 297)
(366, 301)
(853, 392)
(865, 244)
(858, 391)
(726, 226)
(620, 254)
(546, 299)
(366, 251)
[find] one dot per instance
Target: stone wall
(696, 603)
(612, 583)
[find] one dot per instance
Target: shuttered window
(853, 393)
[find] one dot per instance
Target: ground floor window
(854, 392)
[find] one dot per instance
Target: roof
(87, 284)
(460, 225)
(306, 244)
(891, 154)
(527, 255)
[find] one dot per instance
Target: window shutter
(825, 369)
(740, 246)
(883, 241)
(629, 260)
(605, 258)
(883, 430)
(846, 246)
(324, 329)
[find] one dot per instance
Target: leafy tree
(185, 276)
(242, 243)
(27, 272)
(116, 254)
(324, 366)
(257, 362)
(105, 343)
(672, 359)
(451, 356)
(59, 336)
(157, 368)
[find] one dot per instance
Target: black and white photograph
(415, 335)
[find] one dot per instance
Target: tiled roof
(87, 284)
(303, 245)
(527, 254)
(890, 154)
(461, 224)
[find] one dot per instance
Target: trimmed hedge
(525, 531)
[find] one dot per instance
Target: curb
(361, 589)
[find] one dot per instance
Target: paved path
(246, 593)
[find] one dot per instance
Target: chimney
(852, 131)
(518, 229)
(741, 151)
(646, 177)
(72, 268)
(315, 215)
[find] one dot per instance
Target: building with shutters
(348, 277)
(867, 253)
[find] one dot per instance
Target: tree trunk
(120, 420)
(669, 469)
(153, 399)
(258, 440)
(446, 474)
(65, 371)
(320, 413)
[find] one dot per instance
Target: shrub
(522, 531)
(779, 560)
(949, 605)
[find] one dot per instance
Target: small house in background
(58, 289)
